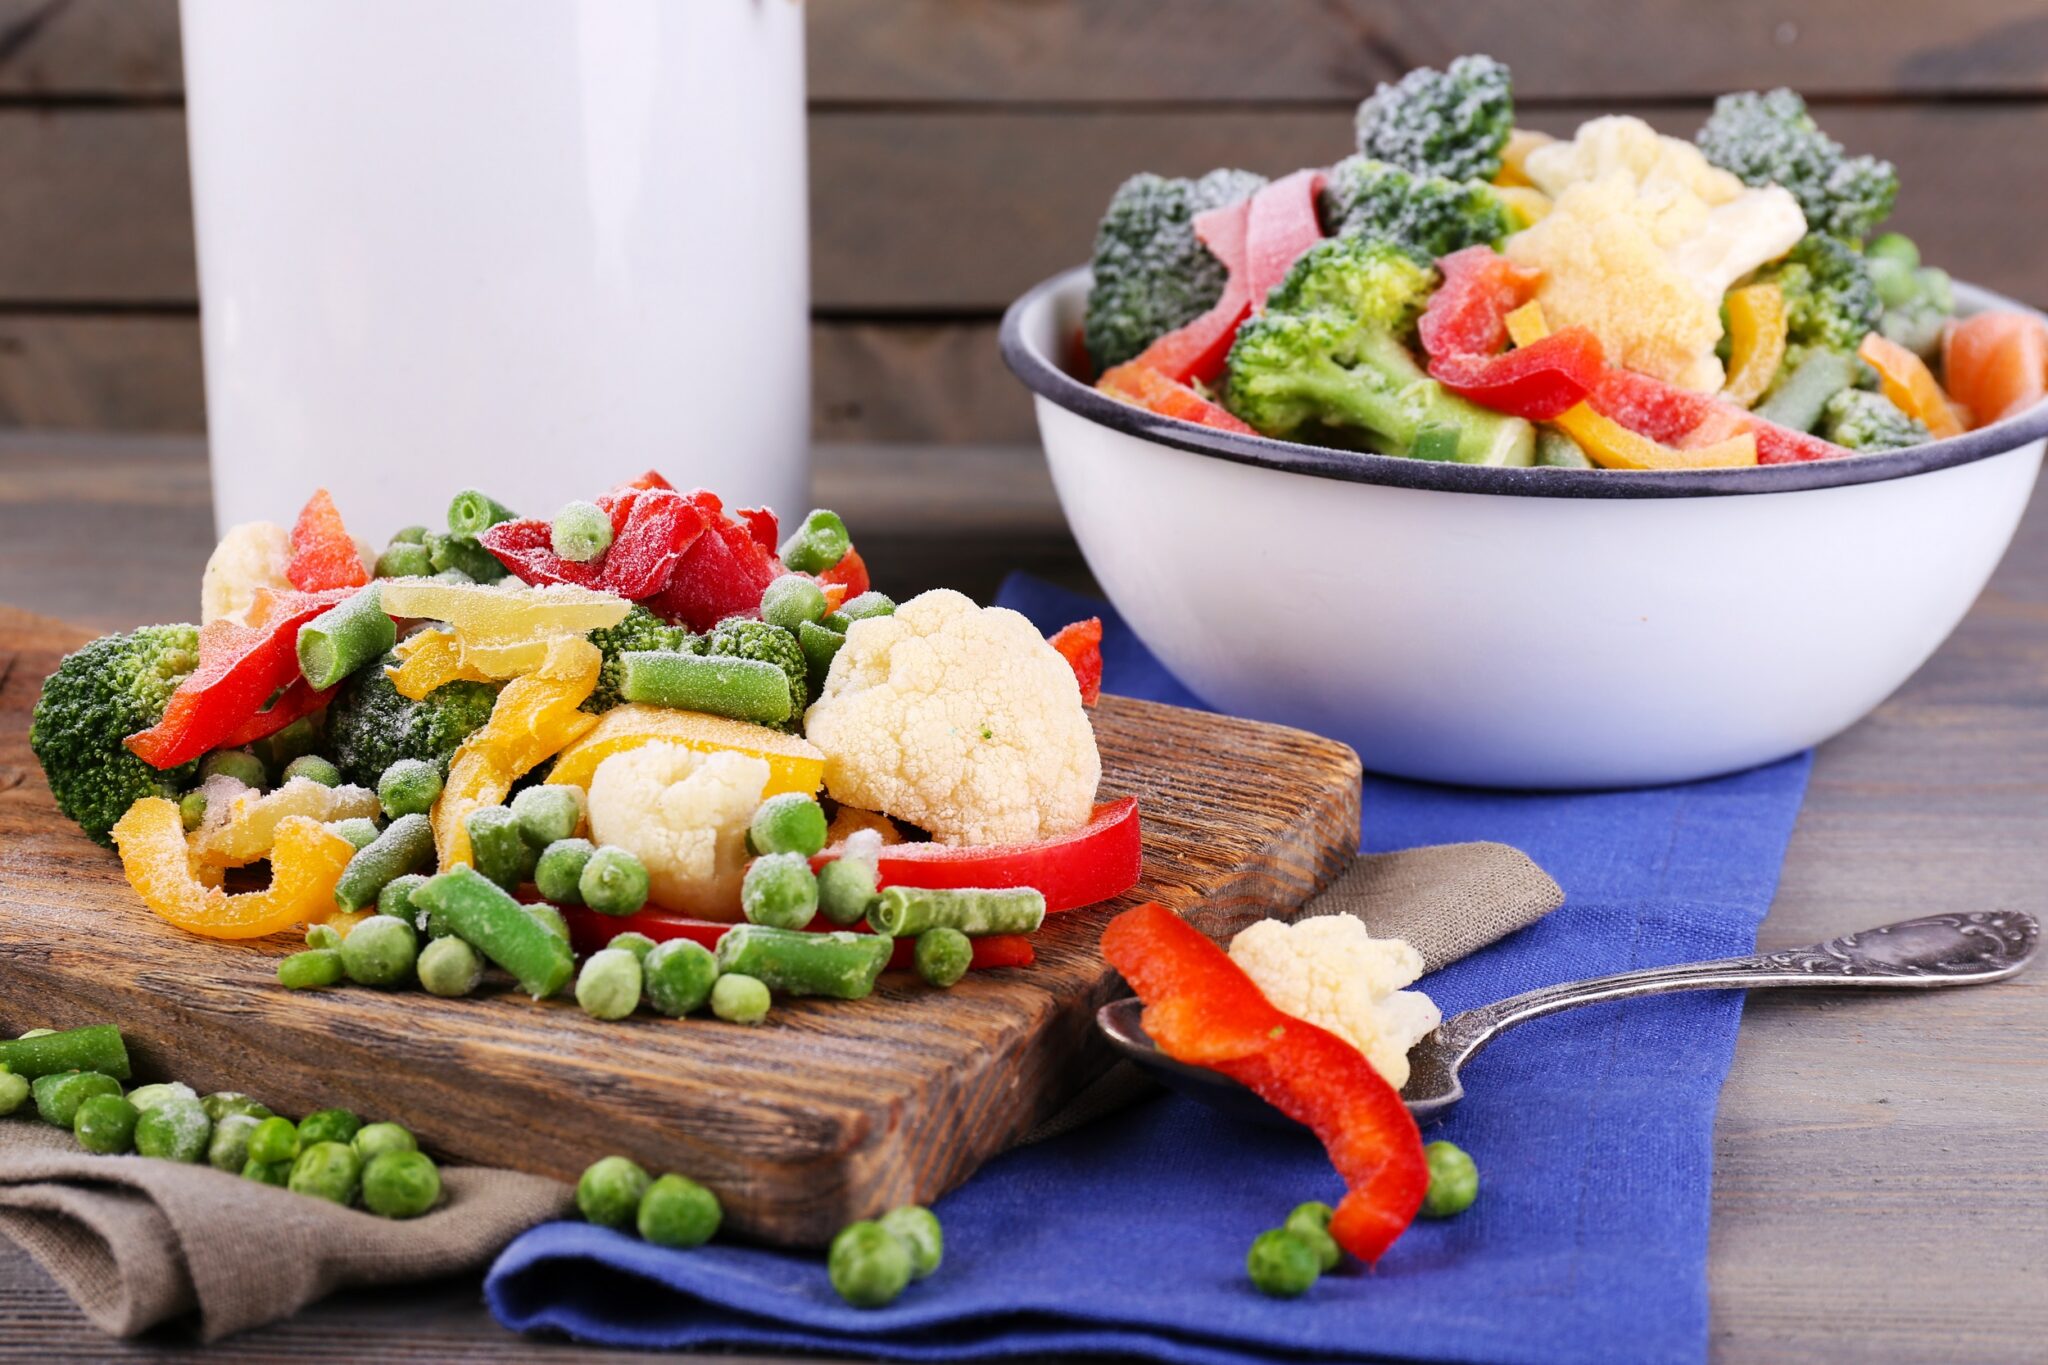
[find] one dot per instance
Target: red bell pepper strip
(723, 573)
(1674, 416)
(762, 524)
(1464, 329)
(1155, 392)
(298, 699)
(1080, 644)
(1467, 315)
(1202, 1009)
(589, 931)
(651, 531)
(322, 554)
(527, 548)
(1281, 225)
(1095, 863)
(850, 575)
(651, 479)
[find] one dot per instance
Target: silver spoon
(1935, 950)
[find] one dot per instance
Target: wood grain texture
(90, 49)
(101, 372)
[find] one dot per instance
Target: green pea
(409, 535)
(192, 810)
(789, 822)
(548, 812)
(228, 1149)
(380, 951)
(58, 1096)
(779, 891)
(105, 1124)
(548, 918)
(268, 1172)
(498, 848)
(639, 945)
(327, 1170)
(1281, 1264)
(372, 1140)
(395, 900)
(239, 764)
(449, 968)
(792, 599)
(14, 1092)
(868, 1265)
(404, 559)
(359, 830)
(678, 1212)
(175, 1130)
(314, 969)
(739, 999)
(221, 1103)
(917, 1227)
(315, 767)
(943, 955)
(401, 1184)
(1311, 1223)
(608, 987)
(150, 1096)
(580, 532)
(678, 976)
(274, 1141)
(846, 890)
(613, 882)
(322, 936)
(409, 787)
(608, 1193)
(818, 544)
(558, 873)
(1453, 1180)
(862, 608)
(328, 1125)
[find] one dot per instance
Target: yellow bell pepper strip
(794, 763)
(244, 827)
(534, 719)
(1911, 385)
(490, 613)
(305, 862)
(1529, 205)
(1756, 341)
(430, 659)
(1514, 157)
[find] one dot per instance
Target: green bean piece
(472, 512)
(846, 890)
(788, 822)
(678, 1212)
(405, 846)
(328, 1125)
(322, 936)
(1282, 1265)
(614, 882)
(917, 1227)
(401, 1184)
(192, 809)
(907, 911)
(478, 911)
(791, 600)
(548, 918)
(176, 1130)
(559, 870)
(97, 1047)
(409, 535)
(1453, 1180)
(404, 560)
(222, 1103)
(14, 1091)
(268, 1172)
(228, 1149)
(381, 951)
(608, 1192)
(150, 1096)
(580, 532)
(739, 999)
(868, 1265)
(1311, 1223)
(677, 976)
(314, 767)
(450, 968)
(105, 1125)
(818, 543)
(410, 786)
(327, 1170)
(313, 970)
(274, 1140)
(372, 1140)
(346, 636)
(840, 964)
(302, 736)
(395, 900)
(820, 646)
(942, 956)
(359, 830)
(455, 553)
(499, 850)
(639, 945)
(779, 890)
(865, 607)
(58, 1096)
(548, 813)
(240, 764)
(608, 987)
(742, 689)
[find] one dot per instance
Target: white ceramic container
(1535, 628)
(536, 246)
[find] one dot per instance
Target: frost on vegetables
(1729, 286)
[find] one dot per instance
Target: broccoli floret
(641, 629)
(1451, 123)
(1427, 214)
(1862, 420)
(1770, 139)
(370, 726)
(1831, 302)
(1329, 358)
(1918, 300)
(1152, 274)
(98, 697)
(738, 637)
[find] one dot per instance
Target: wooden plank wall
(961, 149)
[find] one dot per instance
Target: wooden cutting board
(829, 1112)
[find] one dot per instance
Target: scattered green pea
(739, 999)
(818, 544)
(558, 873)
(228, 1148)
(409, 535)
(608, 1193)
(401, 1184)
(1282, 1264)
(861, 608)
(14, 1091)
(404, 559)
(380, 951)
(1453, 1180)
(917, 1227)
(105, 1124)
(150, 1096)
(497, 848)
(221, 1103)
(675, 1211)
(847, 890)
(328, 1125)
(314, 969)
(176, 1130)
(788, 822)
(943, 955)
(327, 1170)
(449, 968)
(580, 532)
(791, 600)
(639, 945)
(1311, 1223)
(548, 918)
(372, 1140)
(548, 813)
(192, 809)
(409, 787)
(868, 1265)
(322, 936)
(779, 891)
(314, 767)
(274, 1141)
(608, 987)
(276, 1173)
(678, 976)
(613, 882)
(239, 764)
(58, 1096)
(395, 900)
(359, 830)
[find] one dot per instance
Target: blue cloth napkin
(1592, 1131)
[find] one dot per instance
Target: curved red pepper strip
(527, 548)
(651, 531)
(1467, 315)
(1198, 350)
(1201, 1008)
(1098, 862)
(1538, 382)
(299, 699)
(723, 572)
(1080, 644)
(589, 931)
(1281, 225)
(1154, 392)
(1673, 416)
(850, 575)
(322, 553)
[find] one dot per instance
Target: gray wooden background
(961, 149)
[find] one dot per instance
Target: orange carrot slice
(1996, 364)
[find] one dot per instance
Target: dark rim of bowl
(1045, 378)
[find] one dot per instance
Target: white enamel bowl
(1523, 627)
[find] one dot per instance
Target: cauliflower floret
(683, 813)
(960, 719)
(250, 556)
(1661, 168)
(1331, 971)
(1754, 227)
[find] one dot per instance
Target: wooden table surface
(1878, 1191)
